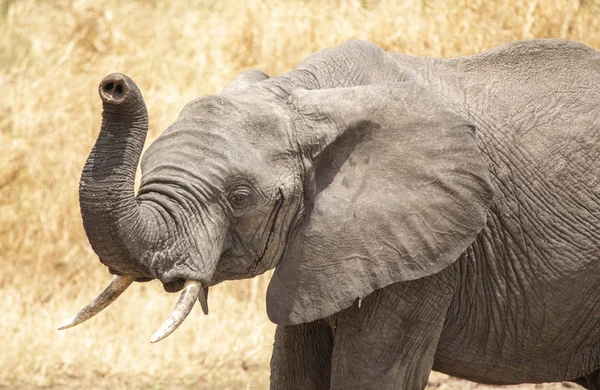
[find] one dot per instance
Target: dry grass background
(52, 56)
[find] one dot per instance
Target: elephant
(418, 213)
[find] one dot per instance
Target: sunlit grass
(52, 56)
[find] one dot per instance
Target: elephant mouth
(174, 286)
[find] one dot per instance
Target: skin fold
(419, 213)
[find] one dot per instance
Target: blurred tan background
(53, 55)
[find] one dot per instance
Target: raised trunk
(119, 230)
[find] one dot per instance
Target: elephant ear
(244, 80)
(400, 190)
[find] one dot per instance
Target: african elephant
(419, 213)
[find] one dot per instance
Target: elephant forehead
(216, 138)
(253, 118)
(208, 154)
(199, 148)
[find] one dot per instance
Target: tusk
(106, 297)
(202, 299)
(191, 292)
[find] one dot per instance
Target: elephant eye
(240, 196)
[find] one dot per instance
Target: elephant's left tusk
(106, 297)
(191, 292)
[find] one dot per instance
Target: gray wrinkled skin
(419, 213)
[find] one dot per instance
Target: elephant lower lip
(143, 279)
(174, 285)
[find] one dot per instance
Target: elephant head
(342, 190)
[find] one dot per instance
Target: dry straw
(52, 56)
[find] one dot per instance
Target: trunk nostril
(114, 89)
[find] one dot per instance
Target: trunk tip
(116, 89)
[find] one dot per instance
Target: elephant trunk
(122, 229)
(118, 228)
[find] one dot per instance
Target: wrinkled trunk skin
(118, 228)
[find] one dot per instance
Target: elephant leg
(302, 356)
(390, 341)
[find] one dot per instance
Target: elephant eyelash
(241, 196)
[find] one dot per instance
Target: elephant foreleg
(390, 341)
(302, 356)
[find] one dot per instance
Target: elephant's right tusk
(191, 292)
(106, 297)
